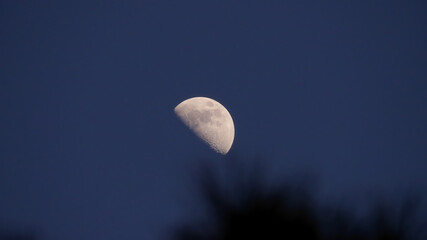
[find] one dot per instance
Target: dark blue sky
(89, 144)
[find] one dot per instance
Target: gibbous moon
(209, 120)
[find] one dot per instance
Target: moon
(209, 120)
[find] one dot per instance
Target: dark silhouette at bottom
(8, 234)
(244, 209)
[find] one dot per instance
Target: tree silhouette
(244, 209)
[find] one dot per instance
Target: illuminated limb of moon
(209, 120)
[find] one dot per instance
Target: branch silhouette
(245, 208)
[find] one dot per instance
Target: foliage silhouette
(245, 208)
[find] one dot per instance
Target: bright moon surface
(209, 120)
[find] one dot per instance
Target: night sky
(90, 147)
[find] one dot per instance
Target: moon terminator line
(209, 120)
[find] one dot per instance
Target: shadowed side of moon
(209, 120)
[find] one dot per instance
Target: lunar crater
(209, 120)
